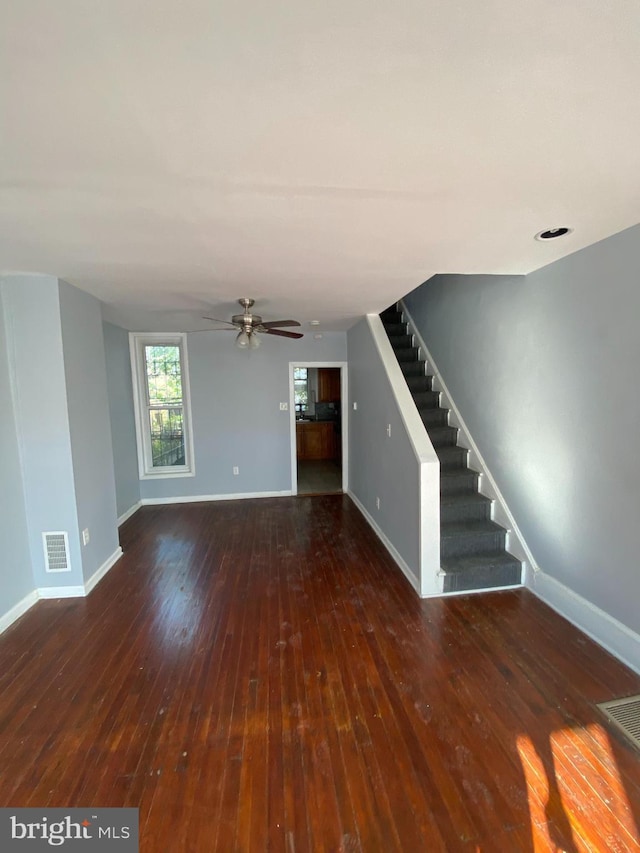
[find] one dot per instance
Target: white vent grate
(56, 551)
(625, 715)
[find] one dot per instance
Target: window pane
(167, 437)
(300, 393)
(164, 380)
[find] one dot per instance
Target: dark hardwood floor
(259, 676)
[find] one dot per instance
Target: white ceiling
(323, 158)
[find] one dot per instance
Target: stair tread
(487, 560)
(472, 528)
(464, 498)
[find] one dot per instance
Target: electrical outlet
(389, 430)
(85, 536)
(284, 407)
(236, 470)
(355, 407)
(377, 503)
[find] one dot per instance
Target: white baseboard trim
(61, 591)
(97, 576)
(188, 499)
(406, 571)
(18, 610)
(487, 486)
(49, 592)
(607, 631)
(129, 512)
(484, 591)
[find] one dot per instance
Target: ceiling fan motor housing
(246, 320)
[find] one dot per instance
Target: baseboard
(18, 610)
(61, 591)
(487, 486)
(97, 576)
(129, 512)
(608, 632)
(406, 571)
(188, 499)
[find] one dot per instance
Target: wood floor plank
(259, 676)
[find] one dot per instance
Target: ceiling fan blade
(283, 334)
(272, 323)
(215, 320)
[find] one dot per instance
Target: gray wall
(16, 578)
(544, 370)
(123, 426)
(380, 466)
(32, 314)
(235, 399)
(89, 425)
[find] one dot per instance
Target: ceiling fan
(250, 325)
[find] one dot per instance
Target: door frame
(344, 421)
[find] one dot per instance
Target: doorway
(318, 429)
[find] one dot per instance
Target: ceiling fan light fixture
(242, 341)
(254, 341)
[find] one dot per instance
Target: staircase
(472, 546)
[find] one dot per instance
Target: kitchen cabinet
(328, 384)
(316, 440)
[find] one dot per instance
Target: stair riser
(391, 315)
(452, 459)
(399, 342)
(393, 329)
(459, 486)
(472, 543)
(422, 393)
(434, 417)
(413, 369)
(406, 354)
(465, 512)
(483, 579)
(443, 436)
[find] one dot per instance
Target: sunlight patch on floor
(560, 784)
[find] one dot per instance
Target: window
(301, 389)
(161, 397)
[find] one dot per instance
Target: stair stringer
(487, 486)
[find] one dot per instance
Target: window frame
(137, 343)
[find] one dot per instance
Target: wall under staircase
(473, 553)
(393, 469)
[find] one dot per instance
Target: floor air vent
(56, 551)
(625, 715)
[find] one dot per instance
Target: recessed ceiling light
(552, 233)
(314, 322)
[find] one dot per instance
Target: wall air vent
(625, 715)
(56, 551)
